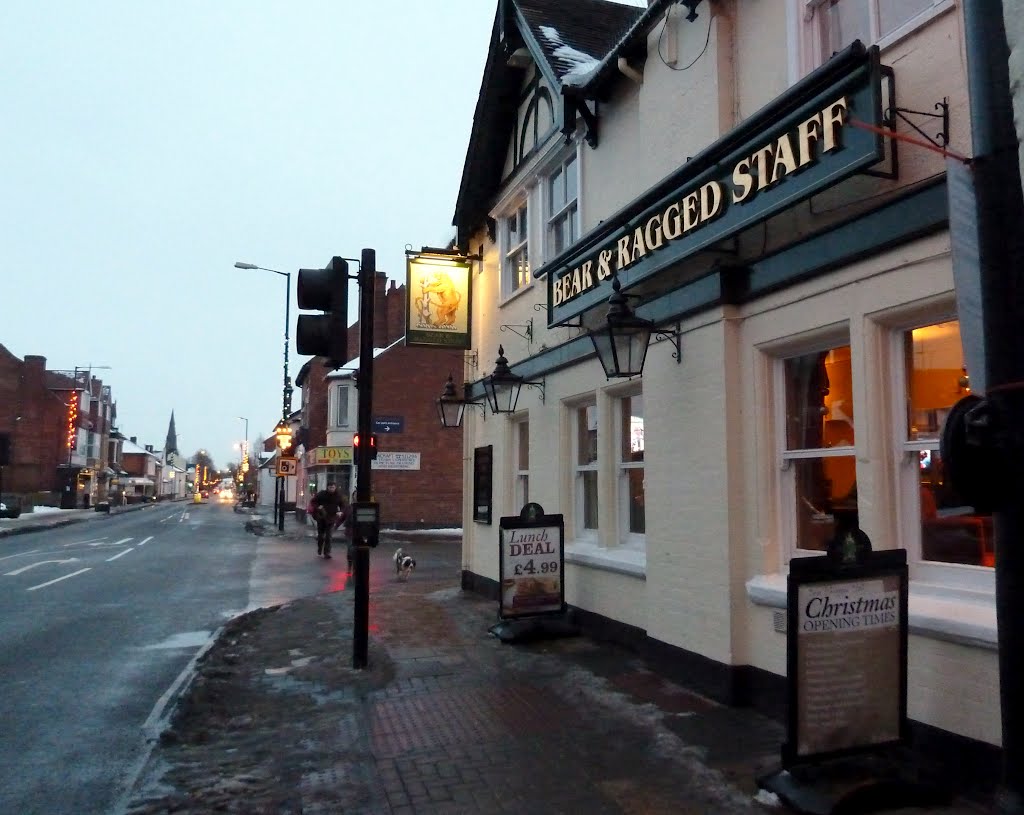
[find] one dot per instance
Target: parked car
(10, 509)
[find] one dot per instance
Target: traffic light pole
(363, 454)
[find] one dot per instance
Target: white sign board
(395, 461)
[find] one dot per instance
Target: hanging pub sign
(532, 563)
(803, 142)
(846, 650)
(438, 289)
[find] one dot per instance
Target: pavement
(445, 718)
(35, 522)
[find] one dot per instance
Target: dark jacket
(327, 504)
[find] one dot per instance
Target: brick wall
(407, 382)
(35, 419)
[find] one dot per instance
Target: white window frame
(958, 576)
(584, 533)
(785, 458)
(811, 22)
(628, 539)
(510, 275)
(342, 413)
(569, 211)
(521, 474)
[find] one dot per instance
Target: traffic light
(326, 290)
(373, 444)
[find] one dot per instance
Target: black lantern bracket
(537, 386)
(673, 335)
(941, 139)
(525, 331)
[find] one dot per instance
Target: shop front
(805, 348)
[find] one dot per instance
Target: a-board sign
(846, 651)
(532, 563)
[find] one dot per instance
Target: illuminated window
(586, 470)
(951, 530)
(631, 466)
(563, 212)
(832, 25)
(515, 239)
(818, 457)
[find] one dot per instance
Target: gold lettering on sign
(604, 264)
(761, 158)
(691, 205)
(710, 200)
(671, 227)
(833, 118)
(743, 180)
(623, 246)
(785, 162)
(588, 278)
(808, 132)
(652, 233)
(639, 247)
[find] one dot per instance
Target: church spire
(171, 445)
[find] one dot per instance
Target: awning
(138, 482)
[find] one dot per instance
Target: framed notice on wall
(483, 465)
(532, 564)
(846, 655)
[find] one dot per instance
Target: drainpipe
(1001, 271)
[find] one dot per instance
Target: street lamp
(286, 394)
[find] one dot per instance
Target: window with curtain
(631, 466)
(515, 266)
(951, 529)
(563, 212)
(818, 456)
(522, 470)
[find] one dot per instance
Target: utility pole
(995, 428)
(366, 524)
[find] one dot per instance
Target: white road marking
(91, 540)
(30, 552)
(65, 577)
(184, 517)
(119, 554)
(143, 541)
(39, 563)
(118, 543)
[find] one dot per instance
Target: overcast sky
(147, 146)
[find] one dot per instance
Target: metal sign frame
(820, 572)
(520, 575)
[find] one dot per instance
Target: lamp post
(243, 464)
(286, 392)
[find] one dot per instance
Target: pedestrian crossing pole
(364, 527)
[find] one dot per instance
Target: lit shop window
(819, 456)
(952, 530)
(631, 465)
(586, 470)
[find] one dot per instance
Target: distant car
(227, 495)
(13, 512)
(206, 493)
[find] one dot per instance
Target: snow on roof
(350, 367)
(579, 66)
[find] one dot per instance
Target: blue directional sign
(388, 424)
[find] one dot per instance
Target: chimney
(35, 372)
(133, 439)
(149, 448)
(380, 311)
(396, 311)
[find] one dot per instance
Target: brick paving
(445, 719)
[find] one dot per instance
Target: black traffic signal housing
(373, 444)
(326, 290)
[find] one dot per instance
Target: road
(98, 623)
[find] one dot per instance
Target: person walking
(327, 507)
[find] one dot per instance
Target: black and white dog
(404, 565)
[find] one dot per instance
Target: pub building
(754, 194)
